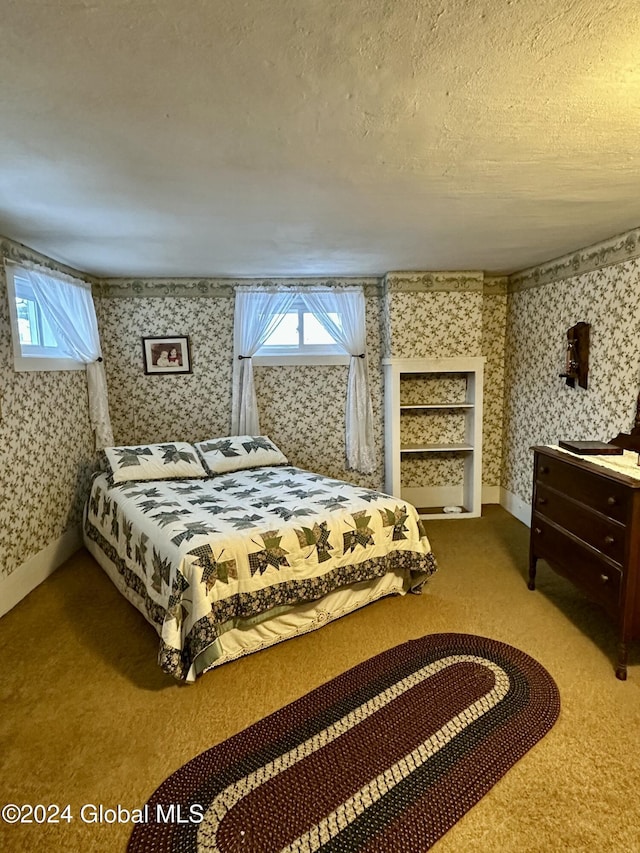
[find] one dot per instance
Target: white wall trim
(516, 506)
(490, 494)
(24, 579)
(432, 496)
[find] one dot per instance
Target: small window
(35, 346)
(300, 338)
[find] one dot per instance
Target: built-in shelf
(436, 448)
(434, 406)
(434, 432)
(433, 512)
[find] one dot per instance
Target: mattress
(235, 562)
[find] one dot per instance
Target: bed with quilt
(226, 549)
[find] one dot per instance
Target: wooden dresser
(585, 524)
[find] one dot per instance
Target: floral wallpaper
(521, 334)
(539, 407)
(494, 321)
(432, 469)
(308, 419)
(301, 408)
(46, 443)
(416, 388)
(447, 315)
(183, 407)
(443, 324)
(431, 427)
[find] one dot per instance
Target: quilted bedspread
(201, 552)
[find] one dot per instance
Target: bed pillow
(169, 461)
(236, 452)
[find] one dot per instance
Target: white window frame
(272, 356)
(28, 357)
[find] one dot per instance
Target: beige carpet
(88, 718)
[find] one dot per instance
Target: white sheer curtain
(349, 305)
(68, 307)
(257, 314)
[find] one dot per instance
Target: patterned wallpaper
(308, 421)
(301, 408)
(448, 315)
(494, 319)
(432, 469)
(435, 325)
(416, 388)
(432, 427)
(46, 443)
(522, 337)
(183, 407)
(539, 407)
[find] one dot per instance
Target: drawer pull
(604, 578)
(609, 540)
(612, 501)
(544, 469)
(542, 501)
(537, 531)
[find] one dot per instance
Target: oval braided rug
(386, 757)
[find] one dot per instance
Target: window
(306, 324)
(300, 338)
(35, 345)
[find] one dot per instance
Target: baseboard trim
(447, 495)
(491, 494)
(31, 573)
(516, 506)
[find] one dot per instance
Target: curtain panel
(258, 312)
(68, 307)
(350, 333)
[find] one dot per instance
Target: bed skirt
(245, 635)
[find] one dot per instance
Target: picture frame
(166, 355)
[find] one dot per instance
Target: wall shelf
(435, 406)
(437, 448)
(433, 411)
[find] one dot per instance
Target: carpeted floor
(88, 718)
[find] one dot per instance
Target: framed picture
(166, 355)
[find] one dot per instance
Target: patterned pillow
(239, 451)
(153, 462)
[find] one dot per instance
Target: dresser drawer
(604, 534)
(588, 571)
(591, 489)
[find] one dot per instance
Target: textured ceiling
(317, 137)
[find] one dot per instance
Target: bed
(233, 554)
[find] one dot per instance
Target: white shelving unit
(460, 419)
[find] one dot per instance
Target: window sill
(298, 360)
(23, 364)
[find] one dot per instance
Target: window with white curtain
(54, 327)
(300, 338)
(36, 346)
(314, 318)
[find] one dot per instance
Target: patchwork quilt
(199, 553)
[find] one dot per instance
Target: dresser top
(624, 467)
